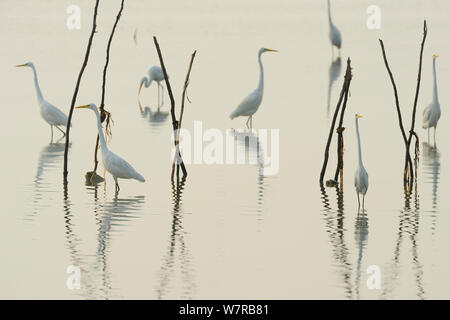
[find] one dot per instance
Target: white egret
(432, 112)
(335, 34)
(115, 165)
(51, 114)
(155, 73)
(361, 176)
(251, 103)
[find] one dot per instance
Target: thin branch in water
(74, 98)
(408, 175)
(340, 131)
(333, 123)
(179, 159)
(103, 113)
(419, 76)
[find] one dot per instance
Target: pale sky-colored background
(237, 235)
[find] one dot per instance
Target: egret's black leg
(247, 123)
(64, 134)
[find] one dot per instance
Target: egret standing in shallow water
(335, 34)
(251, 103)
(432, 112)
(114, 164)
(51, 114)
(361, 176)
(154, 74)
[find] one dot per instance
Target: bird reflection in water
(49, 160)
(156, 118)
(334, 227)
(177, 256)
(361, 235)
(248, 143)
(333, 74)
(431, 171)
(110, 217)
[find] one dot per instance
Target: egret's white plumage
(251, 103)
(335, 34)
(115, 165)
(51, 114)
(361, 176)
(432, 112)
(155, 73)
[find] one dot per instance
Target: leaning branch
(345, 87)
(413, 120)
(74, 98)
(179, 159)
(103, 113)
(397, 103)
(340, 130)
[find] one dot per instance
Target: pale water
(229, 231)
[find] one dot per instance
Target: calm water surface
(228, 231)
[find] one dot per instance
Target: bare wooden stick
(340, 131)
(186, 84)
(103, 113)
(408, 174)
(333, 123)
(179, 159)
(397, 103)
(77, 86)
(413, 120)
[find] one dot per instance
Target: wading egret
(155, 73)
(432, 113)
(361, 176)
(251, 103)
(115, 165)
(335, 34)
(51, 114)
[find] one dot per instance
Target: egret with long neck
(251, 103)
(432, 112)
(51, 114)
(115, 165)
(361, 176)
(334, 34)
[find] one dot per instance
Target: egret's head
(91, 106)
(435, 56)
(262, 50)
(28, 64)
(358, 115)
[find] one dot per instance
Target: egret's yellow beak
(359, 115)
(140, 87)
(21, 65)
(85, 106)
(271, 50)
(435, 55)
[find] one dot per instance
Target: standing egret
(155, 73)
(432, 112)
(114, 164)
(51, 114)
(251, 103)
(335, 34)
(361, 176)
